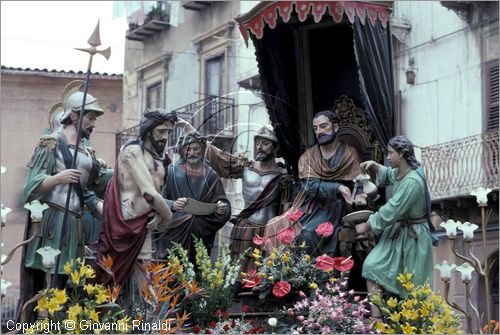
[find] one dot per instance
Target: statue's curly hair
(404, 146)
(153, 118)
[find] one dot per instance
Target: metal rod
(468, 318)
(468, 293)
(486, 269)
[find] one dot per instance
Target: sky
(43, 34)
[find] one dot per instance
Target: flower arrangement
(285, 269)
(226, 325)
(83, 307)
(422, 311)
(332, 309)
(163, 293)
(217, 281)
(289, 268)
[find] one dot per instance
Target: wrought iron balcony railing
(211, 116)
(457, 167)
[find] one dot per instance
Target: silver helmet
(73, 98)
(267, 133)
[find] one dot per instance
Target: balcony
(195, 5)
(212, 117)
(457, 167)
(156, 20)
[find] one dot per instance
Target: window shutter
(492, 95)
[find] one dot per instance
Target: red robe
(120, 239)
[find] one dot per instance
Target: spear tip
(95, 38)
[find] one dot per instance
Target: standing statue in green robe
(402, 223)
(48, 177)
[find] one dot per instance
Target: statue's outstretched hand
(345, 192)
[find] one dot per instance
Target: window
(214, 79)
(153, 96)
(491, 92)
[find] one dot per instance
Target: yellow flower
(313, 286)
(424, 311)
(101, 297)
(413, 314)
(123, 325)
(272, 256)
(271, 278)
(380, 326)
(53, 306)
(426, 289)
(408, 286)
(87, 271)
(89, 288)
(68, 267)
(256, 251)
(42, 304)
(395, 317)
(269, 263)
(409, 303)
(392, 302)
(406, 313)
(408, 329)
(303, 245)
(74, 311)
(286, 257)
(94, 315)
(60, 296)
(401, 278)
(257, 263)
(256, 256)
(75, 277)
(307, 258)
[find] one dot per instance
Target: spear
(94, 41)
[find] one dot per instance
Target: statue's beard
(194, 160)
(159, 146)
(263, 157)
(325, 139)
(86, 132)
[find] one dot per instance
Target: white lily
(4, 284)
(36, 208)
(445, 269)
(451, 227)
(48, 256)
(468, 229)
(272, 322)
(4, 212)
(481, 195)
(466, 271)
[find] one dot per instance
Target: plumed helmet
(73, 98)
(55, 114)
(267, 133)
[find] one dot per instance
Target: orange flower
(107, 262)
(494, 326)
